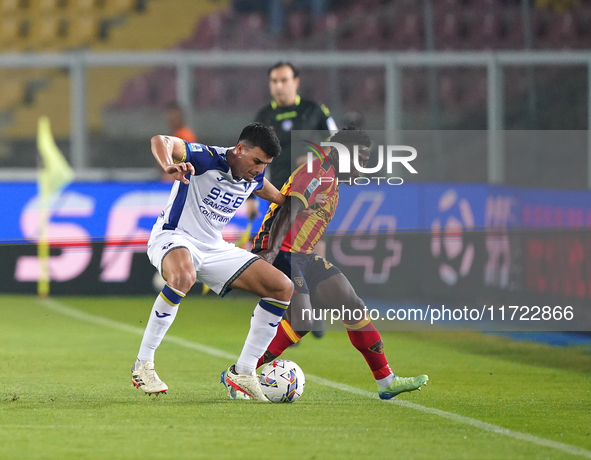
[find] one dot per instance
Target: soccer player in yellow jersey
(287, 237)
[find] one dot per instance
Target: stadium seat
(209, 89)
(82, 31)
(449, 89)
(249, 33)
(49, 6)
(413, 89)
(327, 22)
(10, 31)
(485, 31)
(162, 82)
(364, 90)
(135, 94)
(450, 30)
(370, 4)
(491, 4)
(448, 5)
(118, 7)
(475, 94)
(316, 84)
(45, 32)
(541, 20)
(324, 35)
(210, 94)
(252, 93)
(9, 7)
(405, 31)
(167, 95)
(364, 34)
(562, 31)
(11, 87)
(84, 6)
(298, 26)
(208, 33)
(583, 25)
(514, 29)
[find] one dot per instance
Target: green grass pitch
(65, 391)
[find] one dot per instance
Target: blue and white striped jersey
(204, 206)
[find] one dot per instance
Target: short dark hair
(352, 136)
(260, 135)
(295, 70)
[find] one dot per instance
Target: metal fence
(393, 64)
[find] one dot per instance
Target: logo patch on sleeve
(313, 186)
(195, 147)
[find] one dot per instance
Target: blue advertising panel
(412, 240)
(379, 207)
(93, 226)
(97, 210)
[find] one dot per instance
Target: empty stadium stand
(100, 25)
(43, 25)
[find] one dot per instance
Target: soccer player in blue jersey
(186, 244)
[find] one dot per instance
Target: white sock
(386, 381)
(161, 317)
(263, 326)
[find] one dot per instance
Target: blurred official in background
(286, 111)
(178, 128)
(176, 123)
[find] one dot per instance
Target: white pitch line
(102, 321)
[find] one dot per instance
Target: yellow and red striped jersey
(307, 229)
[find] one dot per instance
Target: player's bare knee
(356, 304)
(350, 302)
(282, 288)
(288, 287)
(182, 280)
(359, 303)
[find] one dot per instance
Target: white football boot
(144, 377)
(232, 392)
(245, 383)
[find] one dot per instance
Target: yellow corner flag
(54, 174)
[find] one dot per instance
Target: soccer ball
(282, 380)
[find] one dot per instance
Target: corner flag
(54, 174)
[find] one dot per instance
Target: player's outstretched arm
(169, 150)
(270, 193)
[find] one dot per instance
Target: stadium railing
(78, 64)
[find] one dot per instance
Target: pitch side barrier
(437, 244)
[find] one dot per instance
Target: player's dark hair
(295, 70)
(352, 136)
(260, 135)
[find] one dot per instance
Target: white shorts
(216, 265)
